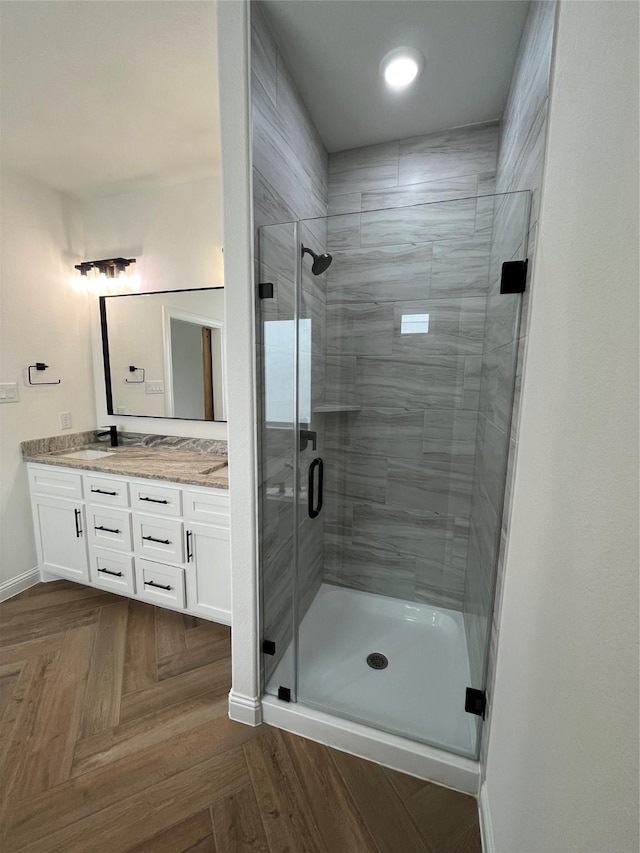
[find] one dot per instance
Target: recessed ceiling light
(400, 67)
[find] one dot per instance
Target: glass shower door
(388, 379)
(277, 360)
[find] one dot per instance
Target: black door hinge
(514, 276)
(265, 290)
(284, 694)
(268, 647)
(475, 702)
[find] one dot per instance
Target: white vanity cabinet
(59, 523)
(167, 544)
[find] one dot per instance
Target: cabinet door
(208, 572)
(60, 532)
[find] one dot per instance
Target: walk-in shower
(387, 376)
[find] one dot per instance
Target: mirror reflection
(163, 354)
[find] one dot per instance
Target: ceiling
(334, 51)
(104, 96)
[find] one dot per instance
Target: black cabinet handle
(114, 574)
(160, 541)
(106, 529)
(103, 492)
(318, 464)
(78, 515)
(154, 500)
(189, 548)
(157, 585)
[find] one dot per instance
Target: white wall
(233, 57)
(562, 767)
(43, 318)
(175, 232)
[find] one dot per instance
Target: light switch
(154, 386)
(9, 392)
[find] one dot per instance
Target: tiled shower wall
(520, 166)
(289, 183)
(399, 471)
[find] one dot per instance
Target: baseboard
(486, 828)
(397, 753)
(245, 709)
(18, 584)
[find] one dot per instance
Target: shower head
(321, 263)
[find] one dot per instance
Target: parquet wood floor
(114, 736)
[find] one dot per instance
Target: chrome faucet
(111, 431)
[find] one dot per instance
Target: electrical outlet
(154, 386)
(65, 420)
(9, 392)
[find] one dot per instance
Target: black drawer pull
(155, 500)
(106, 529)
(114, 574)
(161, 541)
(158, 585)
(103, 492)
(78, 516)
(189, 546)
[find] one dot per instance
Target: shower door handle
(318, 464)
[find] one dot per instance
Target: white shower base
(420, 695)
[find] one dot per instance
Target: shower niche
(387, 364)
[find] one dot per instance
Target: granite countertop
(156, 463)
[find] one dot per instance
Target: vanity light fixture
(110, 272)
(109, 267)
(401, 67)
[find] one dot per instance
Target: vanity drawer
(109, 528)
(160, 500)
(210, 507)
(99, 490)
(112, 571)
(160, 584)
(50, 480)
(158, 538)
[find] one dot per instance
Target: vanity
(149, 523)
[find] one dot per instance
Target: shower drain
(377, 660)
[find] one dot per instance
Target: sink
(87, 454)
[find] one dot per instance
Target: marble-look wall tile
(364, 169)
(467, 151)
(442, 327)
(440, 486)
(391, 433)
(461, 267)
(393, 383)
(360, 477)
(344, 203)
(385, 274)
(446, 189)
(340, 379)
(367, 566)
(421, 224)
(343, 232)
(362, 329)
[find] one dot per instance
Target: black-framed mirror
(163, 354)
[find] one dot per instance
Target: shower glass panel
(278, 364)
(405, 359)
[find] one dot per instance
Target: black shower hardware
(321, 263)
(317, 464)
(306, 436)
(40, 365)
(133, 369)
(112, 432)
(514, 276)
